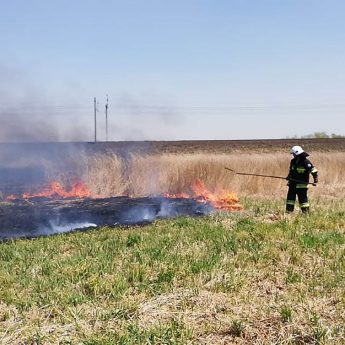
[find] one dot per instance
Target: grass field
(142, 168)
(142, 175)
(254, 277)
(251, 277)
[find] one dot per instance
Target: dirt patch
(198, 308)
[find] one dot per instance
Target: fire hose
(270, 176)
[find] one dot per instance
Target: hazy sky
(174, 69)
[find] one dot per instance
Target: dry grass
(233, 278)
(104, 175)
(175, 173)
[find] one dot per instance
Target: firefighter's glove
(316, 180)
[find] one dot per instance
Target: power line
(177, 108)
(95, 116)
(106, 120)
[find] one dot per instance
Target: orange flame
(56, 191)
(222, 200)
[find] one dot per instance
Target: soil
(8, 152)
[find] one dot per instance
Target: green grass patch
(218, 278)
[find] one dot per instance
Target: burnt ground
(42, 217)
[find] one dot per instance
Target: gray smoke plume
(27, 115)
(17, 126)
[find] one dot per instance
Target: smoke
(19, 127)
(28, 120)
(163, 209)
(57, 228)
(139, 214)
(26, 123)
(27, 114)
(143, 118)
(32, 122)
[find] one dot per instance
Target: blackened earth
(42, 217)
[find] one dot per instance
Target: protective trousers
(302, 199)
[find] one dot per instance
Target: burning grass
(108, 175)
(255, 277)
(177, 173)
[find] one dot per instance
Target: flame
(176, 196)
(56, 191)
(222, 199)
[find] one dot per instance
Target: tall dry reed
(103, 174)
(175, 173)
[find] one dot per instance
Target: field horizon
(173, 146)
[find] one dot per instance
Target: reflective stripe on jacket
(300, 169)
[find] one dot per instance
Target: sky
(172, 70)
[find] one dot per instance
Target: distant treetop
(318, 135)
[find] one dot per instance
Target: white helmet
(296, 150)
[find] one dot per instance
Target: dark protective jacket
(300, 169)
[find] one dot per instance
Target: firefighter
(300, 169)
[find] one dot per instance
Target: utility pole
(106, 120)
(95, 115)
